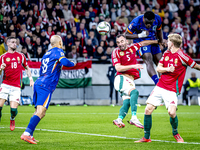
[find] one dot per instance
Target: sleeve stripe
(61, 58)
(129, 31)
(193, 64)
(160, 27)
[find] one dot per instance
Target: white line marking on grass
(181, 113)
(110, 136)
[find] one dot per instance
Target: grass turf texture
(97, 122)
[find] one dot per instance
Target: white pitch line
(101, 135)
(184, 113)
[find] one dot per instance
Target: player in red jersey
(124, 60)
(12, 62)
(173, 66)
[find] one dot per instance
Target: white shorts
(11, 91)
(158, 94)
(123, 84)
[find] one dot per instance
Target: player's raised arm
(162, 69)
(122, 68)
(148, 42)
(129, 35)
(197, 67)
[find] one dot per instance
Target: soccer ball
(103, 28)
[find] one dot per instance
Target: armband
(30, 78)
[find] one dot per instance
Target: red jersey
(127, 57)
(173, 81)
(13, 70)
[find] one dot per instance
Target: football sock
(13, 112)
(32, 124)
(174, 123)
(124, 109)
(133, 101)
(0, 113)
(155, 79)
(147, 126)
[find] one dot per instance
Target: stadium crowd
(33, 22)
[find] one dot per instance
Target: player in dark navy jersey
(147, 27)
(44, 86)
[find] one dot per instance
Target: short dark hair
(149, 15)
(118, 36)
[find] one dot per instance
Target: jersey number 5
(128, 57)
(44, 65)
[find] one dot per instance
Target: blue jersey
(137, 25)
(50, 69)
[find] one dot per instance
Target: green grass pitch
(86, 128)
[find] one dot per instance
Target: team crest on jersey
(166, 58)
(121, 53)
(154, 28)
(131, 51)
(130, 26)
(8, 59)
(62, 54)
(115, 60)
(18, 58)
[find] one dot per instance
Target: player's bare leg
(2, 101)
(156, 59)
(148, 60)
(35, 119)
(174, 123)
(147, 123)
(13, 111)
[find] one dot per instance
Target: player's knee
(149, 109)
(172, 113)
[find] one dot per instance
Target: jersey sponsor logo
(166, 58)
(130, 26)
(48, 53)
(127, 52)
(121, 53)
(171, 60)
(13, 59)
(8, 59)
(62, 54)
(154, 28)
(18, 58)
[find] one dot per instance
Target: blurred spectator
(165, 32)
(186, 40)
(115, 4)
(26, 32)
(29, 24)
(49, 32)
(35, 47)
(3, 47)
(69, 41)
(94, 23)
(6, 6)
(108, 52)
(21, 17)
(181, 13)
(123, 8)
(42, 5)
(137, 11)
(36, 12)
(104, 10)
(172, 6)
(87, 19)
(151, 3)
(112, 45)
(77, 18)
(79, 48)
(74, 32)
(101, 17)
(90, 49)
(63, 27)
(67, 13)
(113, 14)
(39, 53)
(124, 19)
(161, 12)
(24, 51)
(11, 28)
(59, 12)
(92, 13)
(85, 55)
(17, 6)
(1, 39)
(100, 55)
(131, 16)
(12, 13)
(79, 36)
(29, 46)
(121, 26)
(79, 10)
(140, 6)
(192, 45)
(73, 54)
(49, 9)
(194, 31)
(44, 40)
(93, 38)
(19, 46)
(37, 31)
(44, 17)
(177, 25)
(83, 30)
(26, 6)
(4, 25)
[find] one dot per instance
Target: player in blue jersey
(44, 86)
(147, 27)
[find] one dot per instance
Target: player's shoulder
(183, 55)
(157, 18)
(3, 55)
(115, 51)
(137, 19)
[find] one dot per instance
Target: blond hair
(176, 39)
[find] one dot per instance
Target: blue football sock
(155, 79)
(32, 124)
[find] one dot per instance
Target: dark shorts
(153, 49)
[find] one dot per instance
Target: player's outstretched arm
(143, 34)
(65, 62)
(197, 67)
(122, 68)
(3, 66)
(28, 72)
(162, 69)
(148, 42)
